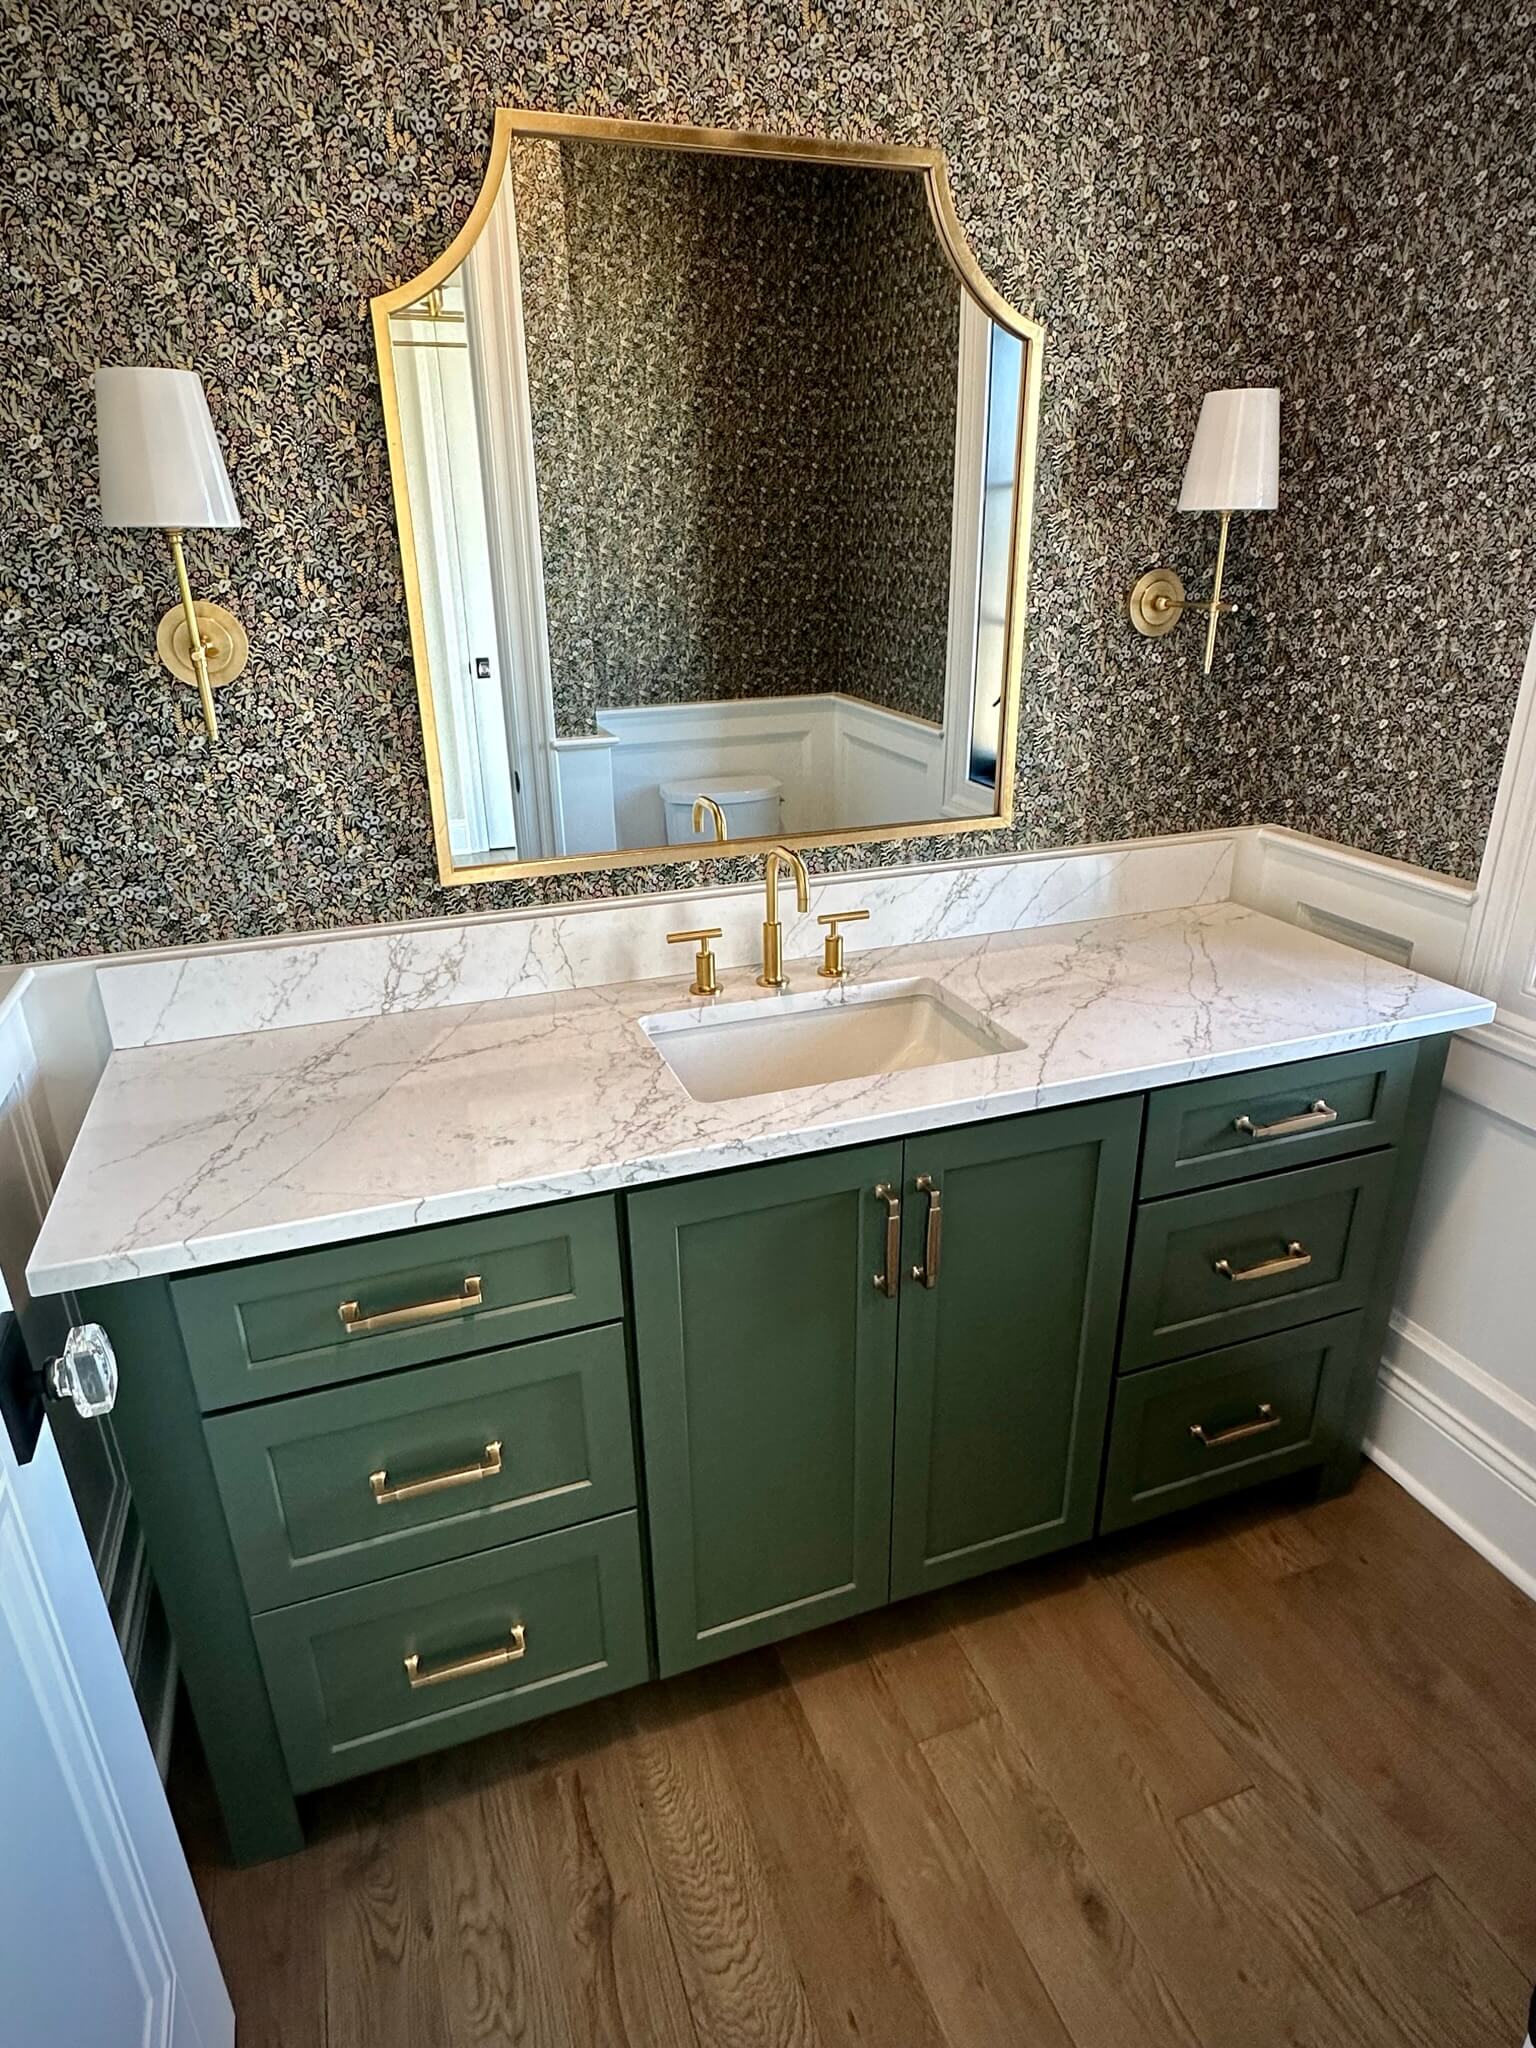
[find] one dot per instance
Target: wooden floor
(1267, 1778)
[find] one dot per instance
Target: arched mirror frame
(512, 122)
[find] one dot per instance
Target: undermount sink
(760, 1048)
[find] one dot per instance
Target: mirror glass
(712, 469)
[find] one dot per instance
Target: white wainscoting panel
(1385, 906)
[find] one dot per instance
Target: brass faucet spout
(773, 975)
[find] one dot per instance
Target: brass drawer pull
(356, 1324)
(890, 1279)
(1296, 1256)
(1312, 1119)
(1267, 1420)
(468, 1667)
(928, 1271)
(486, 1466)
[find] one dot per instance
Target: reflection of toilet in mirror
(753, 807)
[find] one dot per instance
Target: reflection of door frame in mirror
(500, 368)
(930, 163)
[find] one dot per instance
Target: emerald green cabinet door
(1006, 1359)
(766, 1355)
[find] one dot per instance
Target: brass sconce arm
(197, 647)
(1158, 600)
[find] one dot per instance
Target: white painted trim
(1462, 1443)
(1286, 873)
(1510, 852)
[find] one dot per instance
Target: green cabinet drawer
(1186, 1432)
(491, 1640)
(1208, 1132)
(1234, 1262)
(311, 1319)
(329, 1490)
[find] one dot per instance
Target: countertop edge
(273, 1240)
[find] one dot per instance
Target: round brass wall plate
(223, 636)
(1156, 602)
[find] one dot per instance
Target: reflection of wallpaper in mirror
(742, 378)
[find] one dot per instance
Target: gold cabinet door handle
(1296, 1256)
(1267, 1419)
(890, 1279)
(486, 1466)
(933, 1236)
(508, 1652)
(1312, 1119)
(356, 1324)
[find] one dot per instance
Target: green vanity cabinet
(828, 1426)
(766, 1350)
(1007, 1352)
(407, 1490)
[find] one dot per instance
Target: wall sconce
(161, 466)
(1234, 466)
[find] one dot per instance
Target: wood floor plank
(1482, 1625)
(1230, 1974)
(1079, 1640)
(1326, 1685)
(623, 1984)
(383, 1988)
(1246, 1849)
(1280, 1543)
(268, 1928)
(924, 1668)
(858, 1977)
(498, 1958)
(981, 1985)
(1182, 1605)
(736, 1960)
(1096, 1971)
(1453, 1717)
(1471, 1989)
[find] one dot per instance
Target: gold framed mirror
(713, 458)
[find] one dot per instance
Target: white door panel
(102, 1941)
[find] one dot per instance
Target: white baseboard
(1462, 1443)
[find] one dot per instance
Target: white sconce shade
(160, 459)
(1234, 463)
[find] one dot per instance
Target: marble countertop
(227, 1149)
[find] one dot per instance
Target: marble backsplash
(215, 992)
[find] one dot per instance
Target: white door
(102, 1941)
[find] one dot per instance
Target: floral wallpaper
(742, 377)
(1341, 201)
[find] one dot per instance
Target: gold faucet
(773, 975)
(705, 806)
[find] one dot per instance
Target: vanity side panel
(160, 1430)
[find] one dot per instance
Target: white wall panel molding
(1385, 906)
(1462, 1443)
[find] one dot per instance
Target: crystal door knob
(86, 1374)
